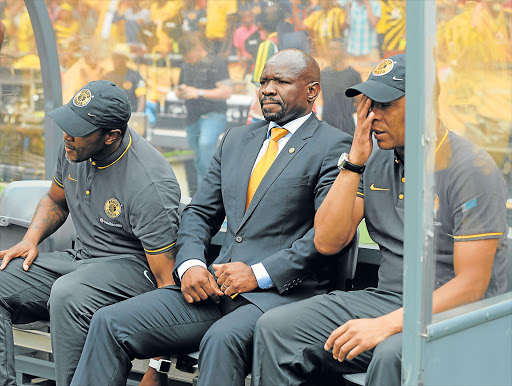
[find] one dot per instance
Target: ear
(313, 91)
(112, 136)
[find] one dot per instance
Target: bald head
(299, 63)
(289, 86)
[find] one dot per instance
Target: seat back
(18, 203)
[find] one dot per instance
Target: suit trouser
(162, 323)
(289, 340)
(66, 288)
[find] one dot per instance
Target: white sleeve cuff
(262, 276)
(189, 264)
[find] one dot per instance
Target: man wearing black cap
(298, 342)
(123, 197)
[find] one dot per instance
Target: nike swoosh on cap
(91, 115)
(372, 187)
(395, 78)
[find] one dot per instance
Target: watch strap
(161, 365)
(353, 167)
(344, 163)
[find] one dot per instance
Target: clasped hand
(199, 284)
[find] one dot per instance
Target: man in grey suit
(268, 257)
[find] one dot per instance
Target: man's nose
(68, 137)
(269, 88)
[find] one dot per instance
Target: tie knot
(277, 133)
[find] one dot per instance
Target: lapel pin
(292, 149)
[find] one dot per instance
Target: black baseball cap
(100, 104)
(385, 83)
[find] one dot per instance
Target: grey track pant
(66, 288)
(289, 341)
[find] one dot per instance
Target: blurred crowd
(90, 34)
(139, 44)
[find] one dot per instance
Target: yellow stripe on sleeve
(58, 183)
(477, 235)
(161, 249)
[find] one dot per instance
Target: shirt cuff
(189, 264)
(262, 276)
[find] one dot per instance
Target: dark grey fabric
(289, 340)
(469, 197)
(386, 365)
(152, 324)
(225, 353)
(276, 229)
(124, 204)
(73, 288)
(7, 373)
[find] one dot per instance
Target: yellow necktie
(264, 163)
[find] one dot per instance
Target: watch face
(165, 366)
(342, 160)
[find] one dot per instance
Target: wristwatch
(343, 163)
(200, 92)
(161, 365)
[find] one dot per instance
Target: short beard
(70, 160)
(274, 117)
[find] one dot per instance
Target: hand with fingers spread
(234, 278)
(198, 284)
(22, 249)
(357, 336)
(362, 144)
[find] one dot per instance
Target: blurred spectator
(391, 28)
(91, 66)
(88, 17)
(66, 34)
(205, 85)
(18, 28)
(325, 24)
(138, 28)
(338, 109)
(2, 33)
(362, 19)
(127, 78)
(218, 30)
(242, 33)
(266, 49)
(193, 17)
(162, 12)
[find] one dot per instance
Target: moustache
(267, 99)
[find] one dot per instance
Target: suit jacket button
(238, 239)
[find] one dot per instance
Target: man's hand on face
(362, 145)
(199, 284)
(234, 278)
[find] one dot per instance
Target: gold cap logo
(383, 67)
(112, 208)
(82, 98)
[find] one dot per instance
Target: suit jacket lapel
(297, 142)
(248, 154)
